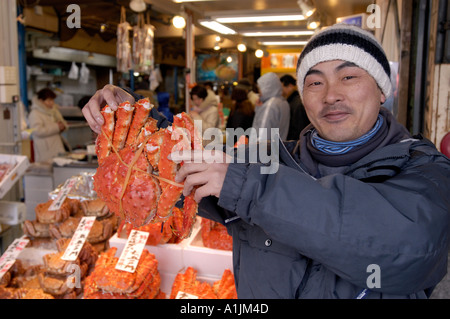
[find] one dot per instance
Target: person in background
(242, 113)
(299, 120)
(47, 124)
(209, 86)
(274, 111)
(204, 108)
(253, 97)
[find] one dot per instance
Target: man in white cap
(358, 208)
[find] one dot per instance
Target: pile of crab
(135, 178)
(64, 279)
(107, 282)
(186, 284)
(51, 224)
(215, 235)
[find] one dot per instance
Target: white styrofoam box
(8, 75)
(21, 165)
(12, 213)
(7, 92)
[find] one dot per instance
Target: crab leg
(124, 115)
(183, 120)
(103, 142)
(143, 108)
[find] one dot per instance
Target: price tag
(9, 257)
(78, 238)
(59, 200)
(131, 254)
(185, 295)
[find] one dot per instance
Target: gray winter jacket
(378, 229)
(302, 233)
(275, 111)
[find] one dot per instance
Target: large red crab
(135, 178)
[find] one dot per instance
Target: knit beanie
(348, 43)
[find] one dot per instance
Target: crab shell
(46, 216)
(100, 231)
(54, 285)
(35, 229)
(135, 178)
(105, 279)
(94, 207)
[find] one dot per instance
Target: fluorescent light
(215, 26)
(260, 18)
(284, 42)
(275, 33)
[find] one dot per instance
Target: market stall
(48, 261)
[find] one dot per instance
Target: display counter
(171, 267)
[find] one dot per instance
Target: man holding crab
(358, 208)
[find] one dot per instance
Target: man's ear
(383, 98)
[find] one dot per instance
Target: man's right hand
(110, 95)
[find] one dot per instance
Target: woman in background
(242, 112)
(46, 123)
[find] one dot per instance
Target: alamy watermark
(374, 279)
(74, 19)
(262, 146)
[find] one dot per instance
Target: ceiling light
(217, 47)
(275, 33)
(261, 18)
(138, 5)
(306, 8)
(313, 25)
(259, 53)
(179, 22)
(215, 26)
(284, 42)
(218, 38)
(229, 59)
(181, 1)
(241, 47)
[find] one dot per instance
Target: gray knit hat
(348, 43)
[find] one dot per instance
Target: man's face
(341, 100)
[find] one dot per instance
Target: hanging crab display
(135, 178)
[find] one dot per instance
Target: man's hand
(205, 170)
(110, 95)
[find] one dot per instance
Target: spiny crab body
(135, 178)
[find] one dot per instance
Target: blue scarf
(335, 148)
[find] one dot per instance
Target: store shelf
(20, 163)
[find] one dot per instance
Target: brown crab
(34, 229)
(46, 216)
(100, 231)
(95, 207)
